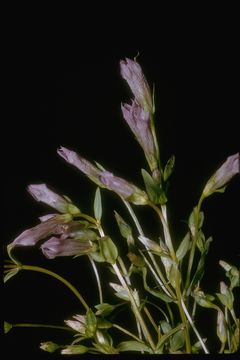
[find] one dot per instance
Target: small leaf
(177, 341)
(183, 247)
(136, 260)
(168, 170)
(204, 300)
(74, 350)
(151, 245)
(98, 205)
(221, 327)
(91, 323)
(125, 229)
(157, 293)
(108, 249)
(7, 327)
(165, 326)
(121, 292)
(104, 309)
(133, 346)
(49, 346)
(103, 323)
(152, 187)
(10, 274)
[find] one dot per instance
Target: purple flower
(55, 225)
(82, 164)
(70, 237)
(66, 247)
(105, 179)
(123, 188)
(139, 122)
(42, 193)
(131, 71)
(223, 175)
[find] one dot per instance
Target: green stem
(97, 279)
(127, 332)
(42, 326)
(58, 277)
(194, 243)
(134, 307)
(159, 276)
(151, 319)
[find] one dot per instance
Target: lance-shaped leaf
(74, 350)
(131, 72)
(232, 273)
(221, 327)
(133, 346)
(49, 346)
(139, 122)
(42, 193)
(97, 205)
(225, 296)
(168, 170)
(108, 249)
(125, 229)
(154, 189)
(183, 247)
(155, 292)
(223, 175)
(54, 225)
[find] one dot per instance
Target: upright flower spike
(223, 175)
(139, 122)
(131, 71)
(42, 193)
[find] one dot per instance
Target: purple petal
(42, 193)
(131, 71)
(66, 247)
(39, 232)
(223, 175)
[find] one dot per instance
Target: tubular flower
(223, 175)
(66, 247)
(139, 122)
(55, 225)
(42, 193)
(105, 179)
(131, 72)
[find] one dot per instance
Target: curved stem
(42, 326)
(58, 277)
(97, 279)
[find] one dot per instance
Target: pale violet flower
(223, 175)
(105, 179)
(42, 193)
(139, 122)
(131, 71)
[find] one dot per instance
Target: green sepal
(168, 170)
(97, 205)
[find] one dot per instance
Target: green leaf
(91, 323)
(204, 300)
(108, 249)
(177, 341)
(157, 293)
(74, 350)
(104, 309)
(154, 190)
(195, 221)
(166, 336)
(125, 229)
(10, 274)
(103, 323)
(133, 346)
(183, 247)
(168, 170)
(49, 346)
(136, 260)
(165, 326)
(120, 291)
(98, 205)
(221, 327)
(151, 245)
(7, 327)
(232, 273)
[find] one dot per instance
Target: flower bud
(223, 175)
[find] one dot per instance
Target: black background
(78, 106)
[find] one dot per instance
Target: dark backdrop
(78, 106)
